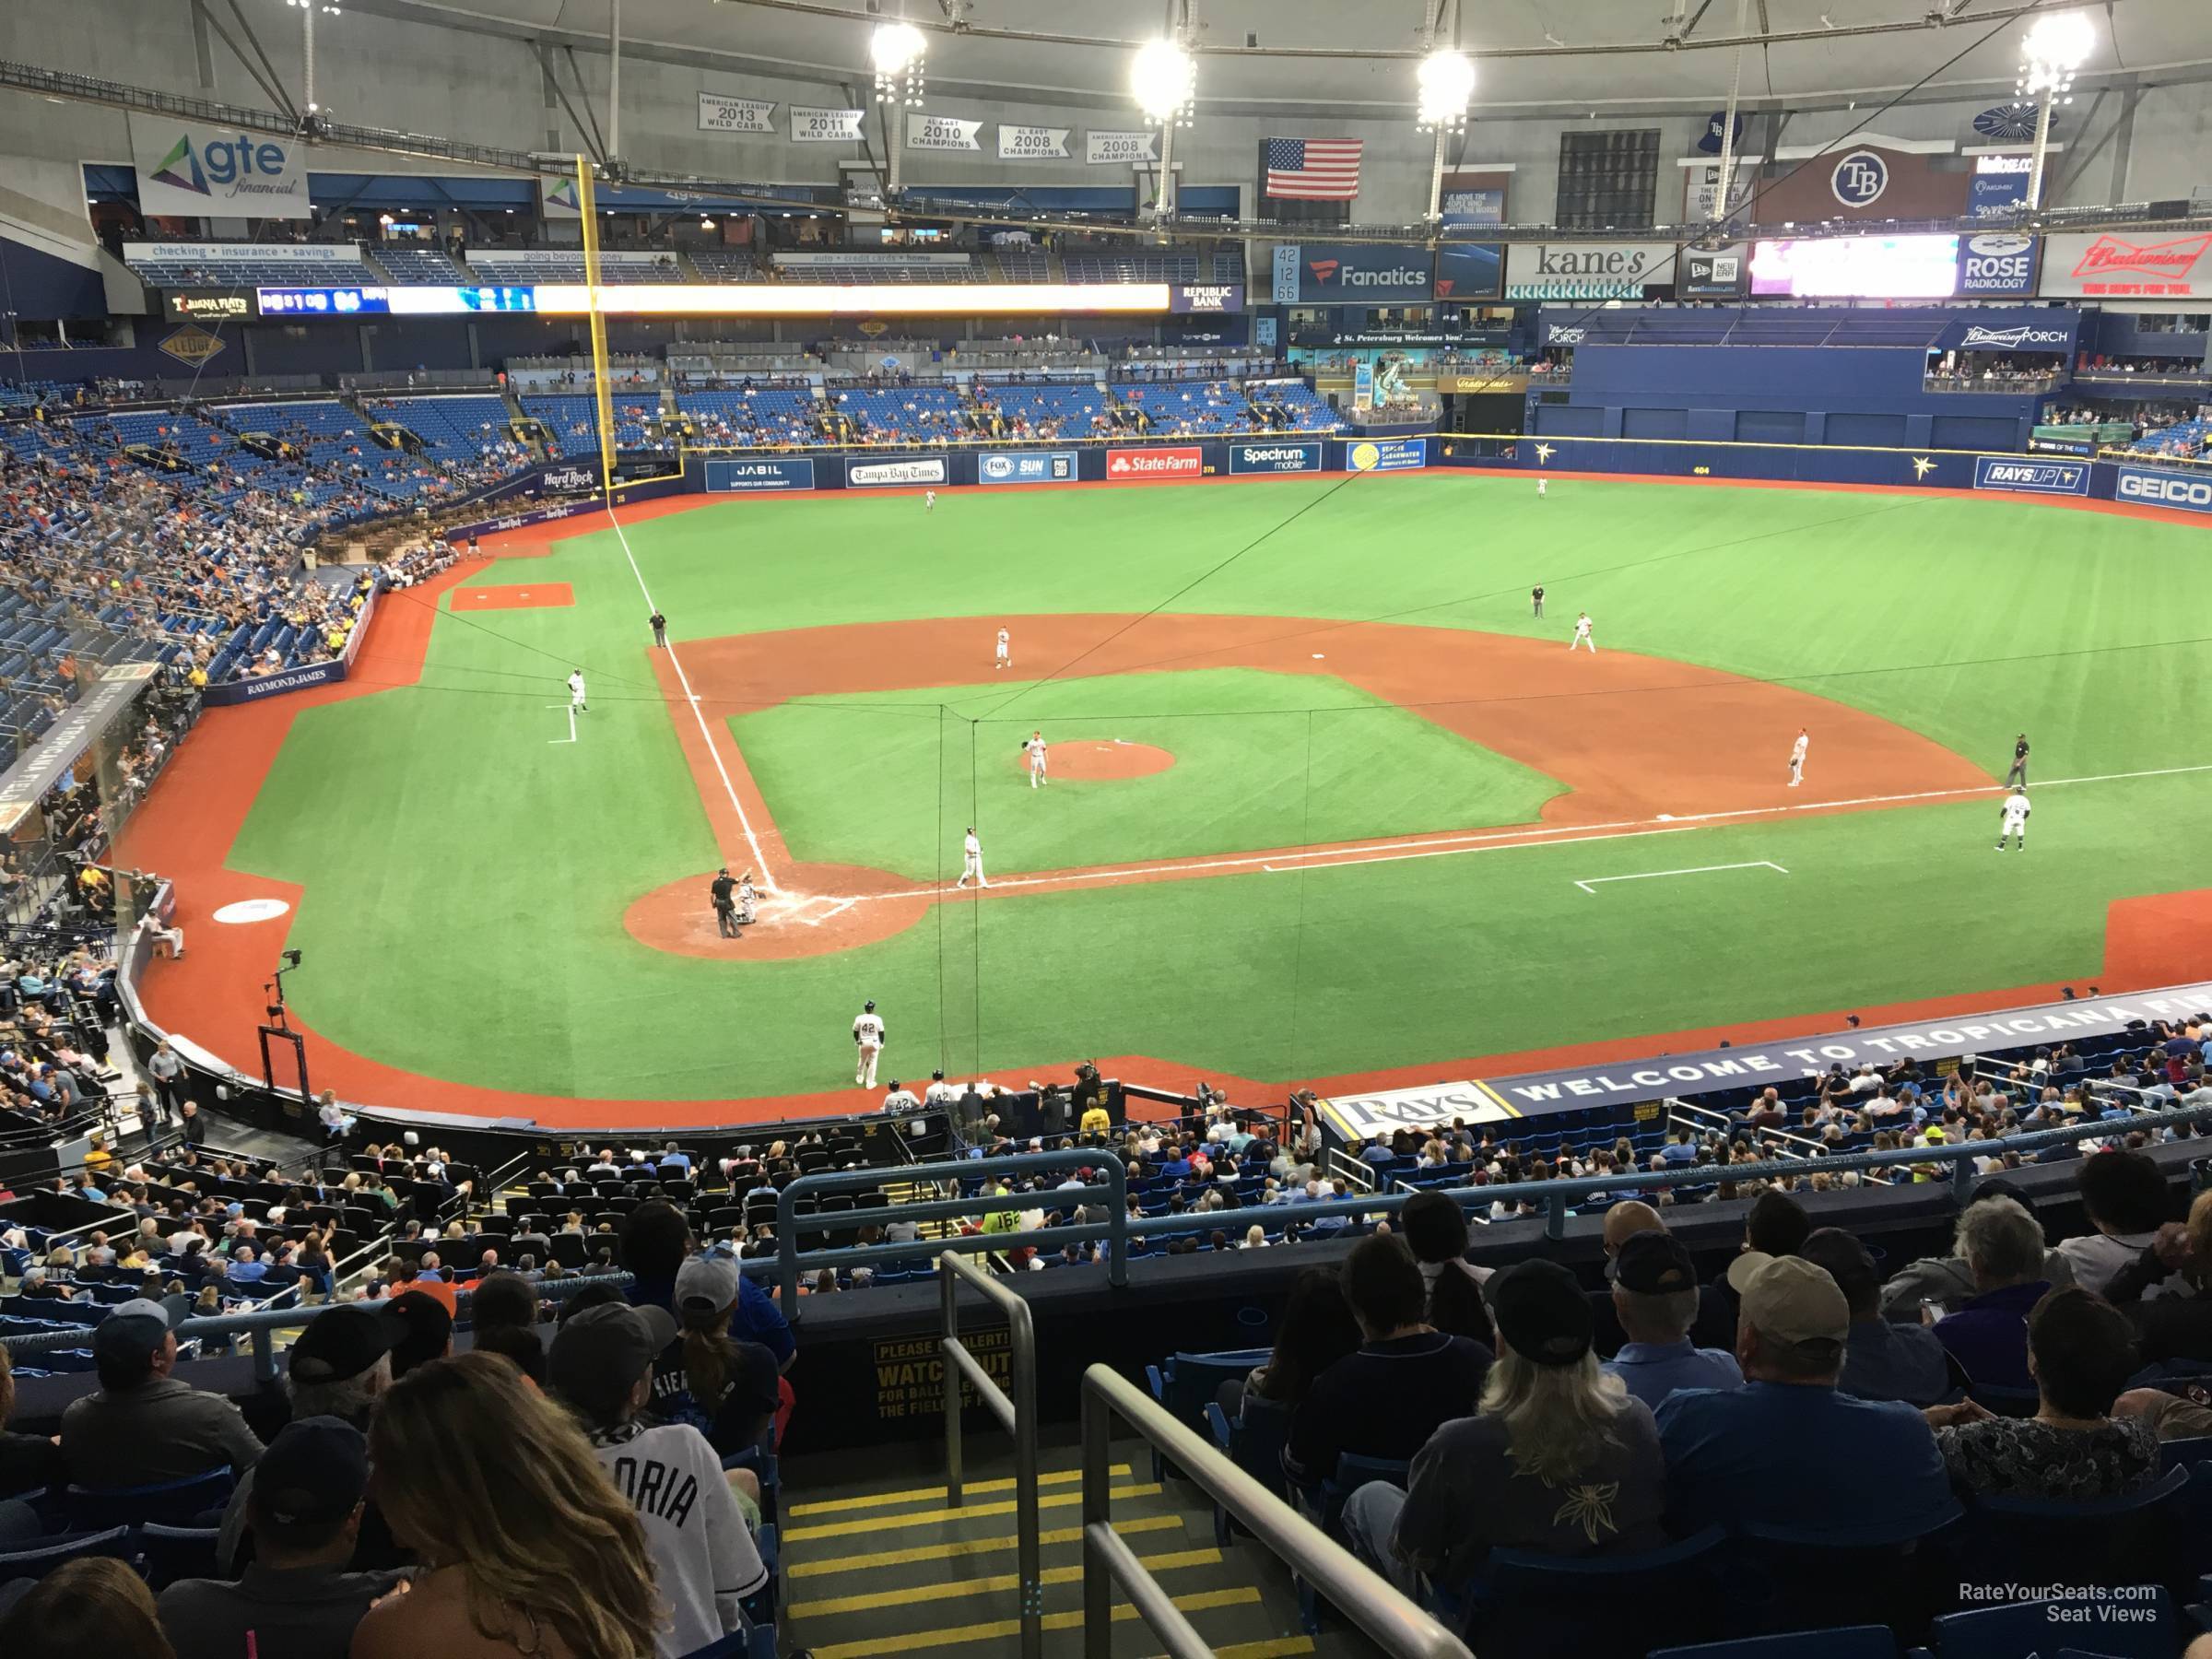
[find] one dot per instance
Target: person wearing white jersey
(939, 1093)
(1006, 649)
(576, 692)
(929, 500)
(901, 1098)
(867, 1039)
(1581, 634)
(1540, 484)
(1034, 750)
(2015, 822)
(972, 861)
(748, 900)
(1797, 756)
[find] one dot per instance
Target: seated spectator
(734, 1386)
(2177, 1325)
(1428, 1376)
(1774, 1227)
(655, 1241)
(1435, 1230)
(95, 1607)
(297, 1600)
(1752, 1455)
(1623, 1221)
(1557, 1457)
(27, 1463)
(1883, 1359)
(704, 1558)
(2003, 1249)
(143, 1425)
(2126, 1200)
(421, 1329)
(535, 1557)
(2081, 1353)
(1655, 1296)
(1317, 1330)
(1945, 1280)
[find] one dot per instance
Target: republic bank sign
(1579, 270)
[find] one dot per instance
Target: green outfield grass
(1252, 769)
(467, 877)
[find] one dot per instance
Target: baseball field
(1325, 802)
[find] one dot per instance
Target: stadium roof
(1332, 58)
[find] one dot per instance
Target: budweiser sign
(2091, 266)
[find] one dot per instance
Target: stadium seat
(1807, 1577)
(170, 1502)
(74, 1547)
(169, 1553)
(2130, 1539)
(1848, 1641)
(1597, 1606)
(2020, 1628)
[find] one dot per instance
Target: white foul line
(768, 877)
(572, 737)
(1594, 882)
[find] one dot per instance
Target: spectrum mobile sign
(1273, 457)
(1184, 461)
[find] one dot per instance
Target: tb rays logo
(1859, 179)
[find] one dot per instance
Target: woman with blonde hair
(526, 1548)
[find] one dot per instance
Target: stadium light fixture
(1163, 78)
(897, 49)
(1446, 80)
(2051, 54)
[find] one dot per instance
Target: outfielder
(576, 692)
(867, 1038)
(929, 500)
(1006, 649)
(1540, 484)
(1581, 634)
(1797, 758)
(1536, 597)
(1034, 750)
(2019, 774)
(972, 861)
(2015, 823)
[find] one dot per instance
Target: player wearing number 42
(2014, 824)
(1797, 756)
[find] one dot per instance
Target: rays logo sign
(1859, 179)
(198, 171)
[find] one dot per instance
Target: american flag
(1314, 170)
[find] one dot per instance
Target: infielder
(1536, 597)
(576, 692)
(2019, 774)
(929, 500)
(1797, 758)
(972, 861)
(1581, 634)
(1034, 750)
(867, 1038)
(2015, 823)
(1006, 649)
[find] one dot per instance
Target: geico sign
(2167, 490)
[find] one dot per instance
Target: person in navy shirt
(2003, 1248)
(1788, 1449)
(1655, 1296)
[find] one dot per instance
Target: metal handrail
(1392, 1621)
(1017, 1412)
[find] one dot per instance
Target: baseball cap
(418, 1327)
(340, 1342)
(132, 1333)
(313, 1473)
(1790, 1300)
(1541, 1311)
(598, 1356)
(1653, 1263)
(706, 1283)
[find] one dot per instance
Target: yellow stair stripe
(953, 1588)
(959, 1548)
(1279, 1647)
(973, 1512)
(1001, 1630)
(916, 1494)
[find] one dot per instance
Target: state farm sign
(1188, 462)
(2125, 265)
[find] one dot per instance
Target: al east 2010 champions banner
(942, 132)
(200, 172)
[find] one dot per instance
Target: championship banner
(1026, 466)
(1123, 148)
(942, 132)
(199, 172)
(826, 126)
(720, 114)
(1032, 143)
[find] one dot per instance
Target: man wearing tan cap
(1749, 1456)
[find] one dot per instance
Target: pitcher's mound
(1096, 761)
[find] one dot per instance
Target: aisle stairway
(875, 1563)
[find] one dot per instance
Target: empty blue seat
(2129, 1630)
(167, 1502)
(169, 1553)
(73, 1546)
(1848, 1641)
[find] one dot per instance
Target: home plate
(252, 910)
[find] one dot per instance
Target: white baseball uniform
(899, 1099)
(1797, 759)
(1006, 648)
(576, 689)
(1034, 749)
(2016, 820)
(971, 863)
(940, 1094)
(867, 1037)
(1540, 484)
(929, 500)
(1581, 635)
